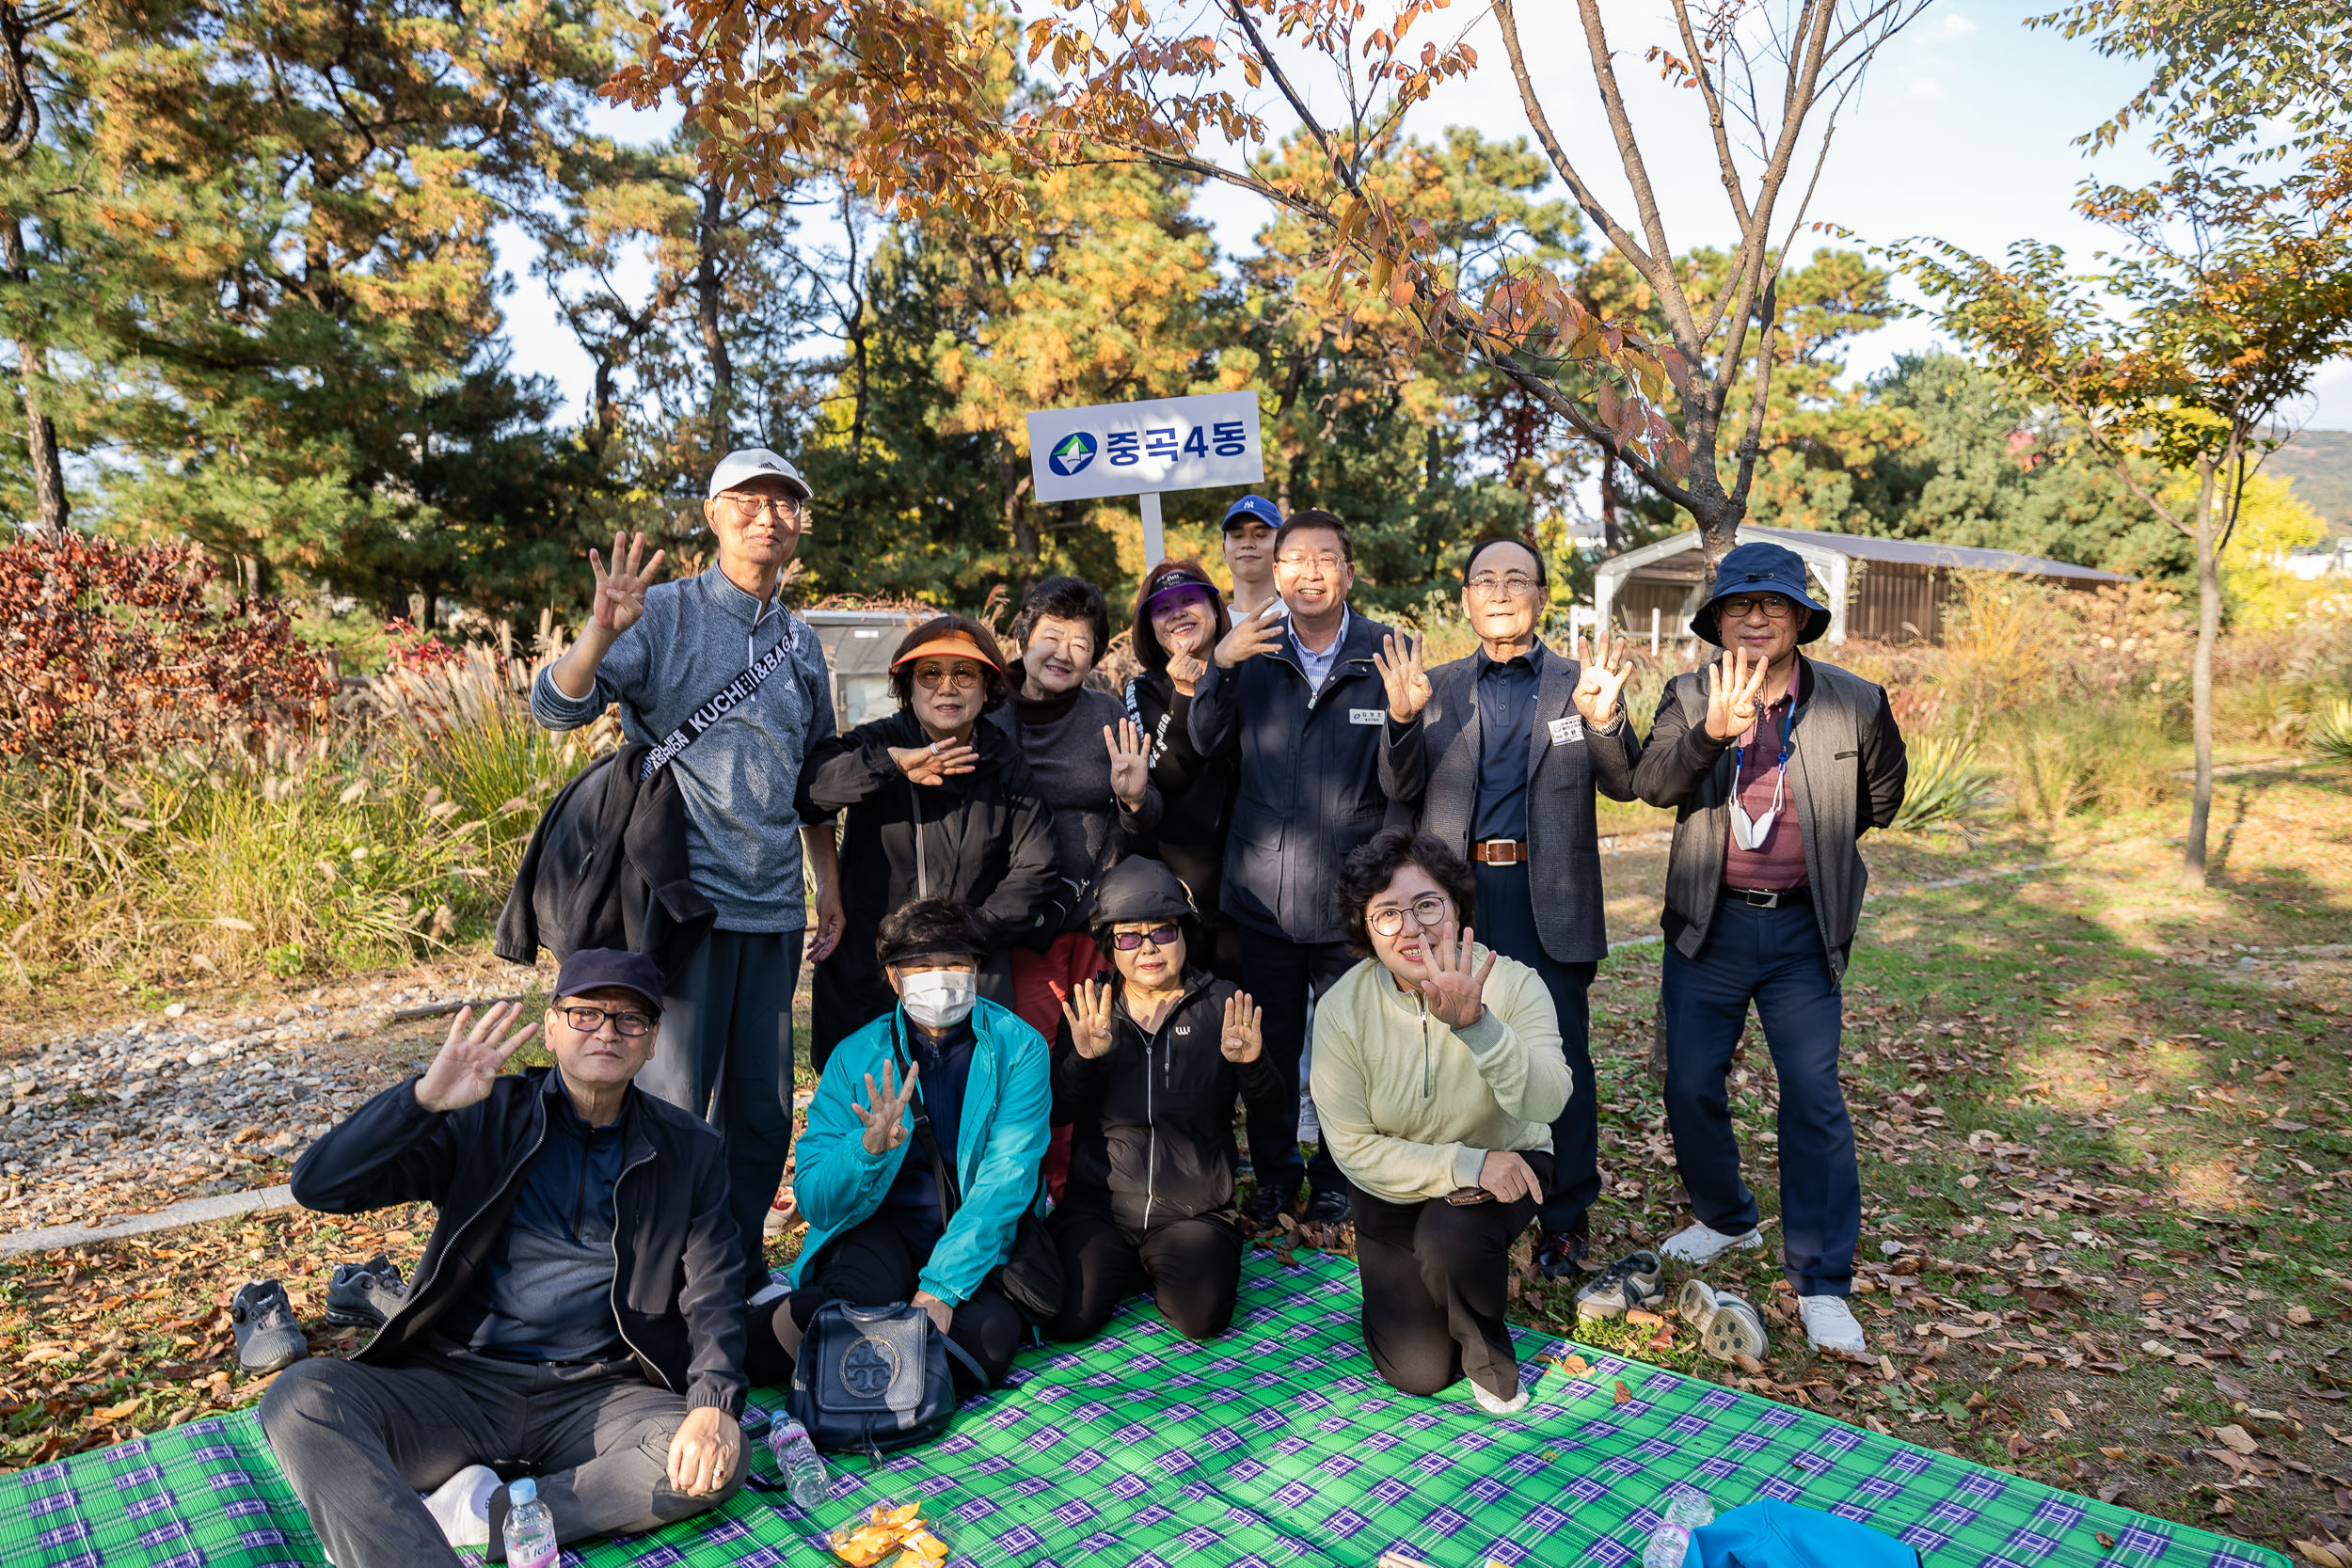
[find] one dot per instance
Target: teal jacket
(999, 1144)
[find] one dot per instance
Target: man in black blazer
(1500, 754)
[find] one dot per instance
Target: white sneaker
(1695, 1245)
(461, 1505)
(1830, 1325)
(1496, 1406)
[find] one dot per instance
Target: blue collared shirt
(1318, 665)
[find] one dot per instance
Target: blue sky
(1965, 131)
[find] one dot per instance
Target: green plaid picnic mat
(1274, 1445)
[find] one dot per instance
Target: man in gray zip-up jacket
(662, 651)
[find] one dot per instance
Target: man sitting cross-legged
(578, 1312)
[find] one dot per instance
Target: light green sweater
(1409, 1108)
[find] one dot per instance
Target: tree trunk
(1017, 521)
(706, 290)
(2201, 680)
(50, 508)
(1611, 527)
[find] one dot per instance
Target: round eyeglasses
(1429, 911)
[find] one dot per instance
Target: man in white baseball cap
(662, 651)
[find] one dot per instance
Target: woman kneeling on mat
(1436, 1076)
(881, 1227)
(1158, 1049)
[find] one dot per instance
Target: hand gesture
(702, 1454)
(620, 592)
(1241, 1038)
(1509, 1178)
(1090, 1017)
(1184, 665)
(1402, 673)
(471, 1058)
(1455, 996)
(1130, 771)
(1602, 683)
(932, 764)
(1251, 636)
(1732, 684)
(884, 1112)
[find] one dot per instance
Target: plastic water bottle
(796, 1456)
(530, 1528)
(1669, 1544)
(1688, 1507)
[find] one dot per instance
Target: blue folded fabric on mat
(1775, 1534)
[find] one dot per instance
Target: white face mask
(938, 998)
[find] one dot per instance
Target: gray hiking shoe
(1726, 1325)
(268, 1338)
(363, 1295)
(1637, 1279)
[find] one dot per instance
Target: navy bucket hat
(1762, 568)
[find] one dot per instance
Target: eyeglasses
(1158, 936)
(782, 508)
(1325, 563)
(946, 677)
(1518, 585)
(589, 1019)
(1739, 609)
(1429, 911)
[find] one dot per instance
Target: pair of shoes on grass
(1727, 1324)
(269, 1339)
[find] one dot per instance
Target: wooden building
(1881, 590)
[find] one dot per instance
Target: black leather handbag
(870, 1379)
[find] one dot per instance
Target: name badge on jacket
(1566, 730)
(1367, 716)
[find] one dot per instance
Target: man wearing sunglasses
(1776, 765)
(577, 1312)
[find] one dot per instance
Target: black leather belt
(1768, 898)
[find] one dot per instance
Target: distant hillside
(2320, 463)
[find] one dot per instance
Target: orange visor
(953, 645)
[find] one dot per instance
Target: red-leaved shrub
(108, 651)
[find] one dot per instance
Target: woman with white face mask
(944, 1072)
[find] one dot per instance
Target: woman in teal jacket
(879, 1230)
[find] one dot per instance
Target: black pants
(358, 1443)
(1506, 923)
(870, 1264)
(1436, 1279)
(1281, 976)
(1776, 960)
(725, 1053)
(1192, 1267)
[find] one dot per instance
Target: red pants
(1041, 982)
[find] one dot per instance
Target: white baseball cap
(749, 464)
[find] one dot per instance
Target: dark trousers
(1435, 1279)
(358, 1443)
(1192, 1267)
(1506, 923)
(1776, 959)
(1282, 976)
(725, 1053)
(871, 1264)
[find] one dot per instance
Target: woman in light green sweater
(1437, 1073)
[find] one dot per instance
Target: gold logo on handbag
(868, 1366)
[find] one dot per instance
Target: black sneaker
(1267, 1204)
(1560, 1255)
(1329, 1207)
(268, 1338)
(363, 1295)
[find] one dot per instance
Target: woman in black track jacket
(1153, 1057)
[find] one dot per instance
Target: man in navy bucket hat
(1775, 765)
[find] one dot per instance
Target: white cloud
(1927, 89)
(1956, 25)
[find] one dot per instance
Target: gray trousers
(726, 1054)
(358, 1443)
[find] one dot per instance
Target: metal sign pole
(1155, 542)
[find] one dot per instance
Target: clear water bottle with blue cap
(530, 1528)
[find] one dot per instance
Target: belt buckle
(1487, 847)
(1760, 899)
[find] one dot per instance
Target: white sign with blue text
(1134, 448)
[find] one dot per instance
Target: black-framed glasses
(1772, 605)
(1158, 936)
(589, 1019)
(1429, 911)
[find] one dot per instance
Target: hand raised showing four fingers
(1242, 1037)
(1456, 997)
(620, 592)
(1130, 771)
(1088, 1014)
(1732, 685)
(1601, 684)
(884, 1112)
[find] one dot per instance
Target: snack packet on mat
(886, 1529)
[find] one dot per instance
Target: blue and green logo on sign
(1071, 453)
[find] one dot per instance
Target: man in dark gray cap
(577, 1312)
(1777, 765)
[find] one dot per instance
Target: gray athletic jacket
(1846, 768)
(737, 780)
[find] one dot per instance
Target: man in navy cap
(1776, 765)
(577, 1312)
(1251, 524)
